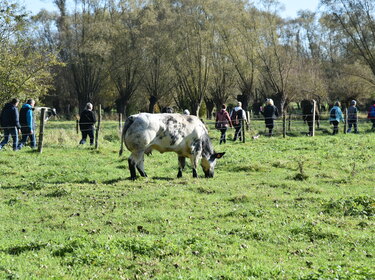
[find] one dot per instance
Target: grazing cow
(50, 112)
(307, 107)
(183, 134)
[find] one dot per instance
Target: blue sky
(291, 6)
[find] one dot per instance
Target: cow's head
(208, 164)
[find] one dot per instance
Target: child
(352, 117)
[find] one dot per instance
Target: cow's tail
(129, 121)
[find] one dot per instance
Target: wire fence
(291, 125)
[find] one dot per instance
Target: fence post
(248, 120)
(77, 126)
(119, 121)
(346, 120)
(41, 130)
(243, 130)
(289, 121)
(98, 127)
(313, 118)
(284, 124)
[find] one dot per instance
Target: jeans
(85, 133)
(10, 132)
(223, 136)
(26, 133)
(335, 127)
(238, 133)
(352, 124)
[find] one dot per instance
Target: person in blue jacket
(10, 123)
(335, 116)
(27, 124)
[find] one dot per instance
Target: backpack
(221, 120)
(236, 117)
(332, 113)
(372, 112)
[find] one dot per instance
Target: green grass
(293, 208)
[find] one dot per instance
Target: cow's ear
(219, 155)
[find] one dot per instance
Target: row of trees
(133, 55)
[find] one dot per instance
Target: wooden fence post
(119, 121)
(313, 118)
(243, 130)
(41, 130)
(346, 121)
(248, 120)
(289, 121)
(98, 127)
(284, 124)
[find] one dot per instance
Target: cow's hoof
(133, 178)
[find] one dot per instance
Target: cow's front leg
(181, 166)
(194, 163)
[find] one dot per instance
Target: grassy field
(293, 208)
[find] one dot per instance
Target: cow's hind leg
(140, 166)
(181, 166)
(136, 161)
(132, 168)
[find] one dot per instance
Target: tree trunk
(153, 100)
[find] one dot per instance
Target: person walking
(335, 116)
(10, 123)
(237, 116)
(222, 122)
(270, 113)
(353, 117)
(371, 115)
(87, 121)
(27, 124)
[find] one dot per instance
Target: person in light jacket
(27, 124)
(238, 115)
(335, 116)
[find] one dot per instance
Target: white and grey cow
(183, 134)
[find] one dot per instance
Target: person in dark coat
(371, 115)
(353, 117)
(270, 114)
(10, 123)
(27, 124)
(87, 121)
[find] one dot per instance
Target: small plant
(301, 176)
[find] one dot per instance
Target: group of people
(336, 116)
(224, 120)
(237, 118)
(15, 123)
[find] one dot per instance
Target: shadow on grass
(113, 181)
(17, 250)
(162, 178)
